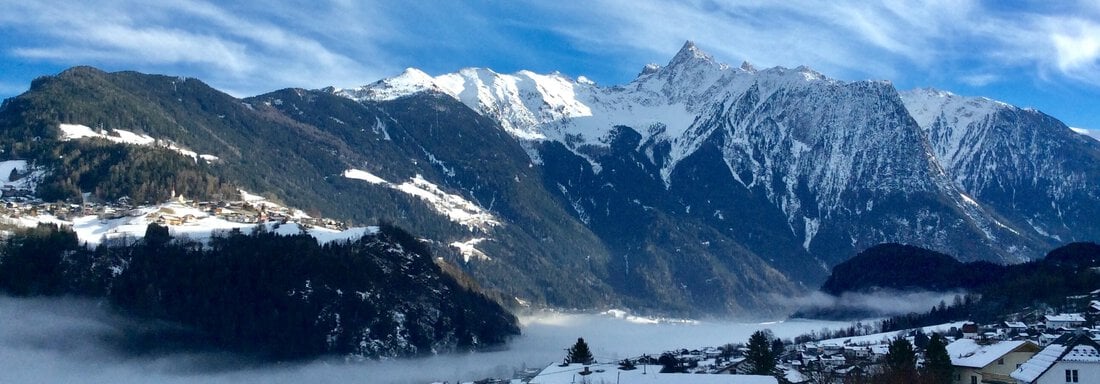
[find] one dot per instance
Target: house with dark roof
(1072, 358)
(988, 362)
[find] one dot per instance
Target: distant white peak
(692, 56)
(584, 80)
(649, 69)
(410, 81)
(809, 73)
(748, 67)
(691, 52)
(933, 92)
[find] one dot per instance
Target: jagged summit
(690, 52)
(775, 137)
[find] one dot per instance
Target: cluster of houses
(236, 211)
(1050, 348)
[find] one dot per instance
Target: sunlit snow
(27, 179)
(468, 249)
(77, 131)
(454, 207)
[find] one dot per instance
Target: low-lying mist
(884, 303)
(76, 340)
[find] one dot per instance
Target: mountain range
(698, 187)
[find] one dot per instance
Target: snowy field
(68, 340)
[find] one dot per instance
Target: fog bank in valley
(876, 304)
(76, 340)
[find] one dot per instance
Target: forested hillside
(277, 297)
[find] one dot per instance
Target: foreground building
(1072, 358)
(977, 362)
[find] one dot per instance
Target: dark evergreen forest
(274, 296)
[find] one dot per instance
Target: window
(973, 379)
(1001, 362)
(1071, 376)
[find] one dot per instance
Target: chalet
(970, 331)
(977, 362)
(611, 373)
(1064, 320)
(1072, 358)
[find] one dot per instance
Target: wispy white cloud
(855, 39)
(1093, 133)
(229, 47)
(251, 47)
(979, 79)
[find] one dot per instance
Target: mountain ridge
(691, 76)
(696, 188)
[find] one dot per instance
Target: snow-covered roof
(968, 353)
(1015, 324)
(1069, 347)
(1066, 317)
(610, 373)
(793, 375)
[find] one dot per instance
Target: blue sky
(1042, 54)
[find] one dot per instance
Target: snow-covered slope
(24, 178)
(78, 131)
(1030, 168)
(454, 207)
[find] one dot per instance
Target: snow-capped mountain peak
(410, 81)
(690, 53)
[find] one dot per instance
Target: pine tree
(901, 362)
(579, 353)
(760, 354)
(937, 363)
(778, 348)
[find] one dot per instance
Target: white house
(1072, 358)
(610, 374)
(1064, 320)
(977, 362)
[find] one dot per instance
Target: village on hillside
(20, 207)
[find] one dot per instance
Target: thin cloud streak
(855, 40)
(250, 48)
(226, 49)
